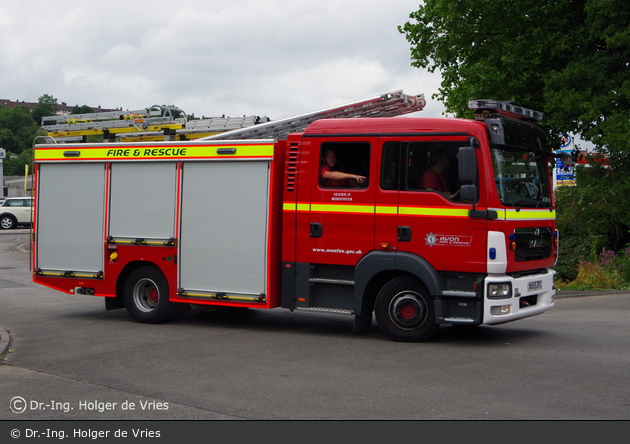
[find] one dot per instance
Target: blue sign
(565, 174)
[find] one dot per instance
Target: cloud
(276, 58)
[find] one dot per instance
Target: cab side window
(421, 166)
(344, 164)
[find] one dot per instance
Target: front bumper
(530, 295)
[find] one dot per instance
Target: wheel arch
(119, 301)
(377, 268)
(142, 279)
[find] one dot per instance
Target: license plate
(534, 286)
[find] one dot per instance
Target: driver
(435, 179)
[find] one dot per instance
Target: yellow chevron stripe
(530, 215)
(342, 208)
(432, 211)
(387, 210)
(414, 211)
(381, 209)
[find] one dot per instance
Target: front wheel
(146, 296)
(404, 310)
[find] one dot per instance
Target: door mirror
(467, 163)
(468, 193)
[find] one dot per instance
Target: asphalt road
(68, 359)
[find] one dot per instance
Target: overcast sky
(275, 58)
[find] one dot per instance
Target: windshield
(521, 178)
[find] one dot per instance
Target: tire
(8, 222)
(404, 310)
(146, 296)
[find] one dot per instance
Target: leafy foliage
(81, 110)
(592, 276)
(592, 217)
(569, 59)
(44, 108)
(17, 129)
(15, 166)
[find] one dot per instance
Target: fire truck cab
(477, 251)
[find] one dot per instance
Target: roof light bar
(491, 108)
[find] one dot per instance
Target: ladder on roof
(157, 117)
(385, 105)
(155, 123)
(169, 123)
(220, 125)
(196, 129)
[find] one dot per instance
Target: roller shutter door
(70, 217)
(142, 200)
(224, 223)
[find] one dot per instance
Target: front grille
(532, 244)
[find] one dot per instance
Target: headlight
(500, 291)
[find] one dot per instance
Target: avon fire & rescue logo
(448, 240)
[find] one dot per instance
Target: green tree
(45, 107)
(175, 112)
(9, 141)
(590, 94)
(15, 165)
(81, 110)
(17, 129)
(567, 58)
(592, 217)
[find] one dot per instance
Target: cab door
(342, 210)
(434, 223)
(386, 231)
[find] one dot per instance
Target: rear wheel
(404, 310)
(146, 296)
(7, 222)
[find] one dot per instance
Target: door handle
(404, 234)
(316, 229)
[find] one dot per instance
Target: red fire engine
(417, 221)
